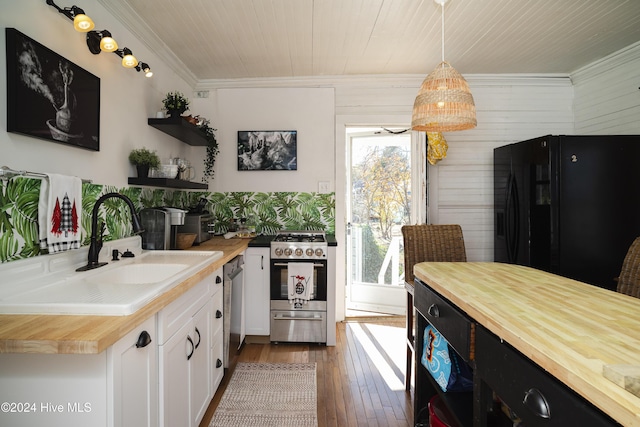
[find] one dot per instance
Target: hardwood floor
(360, 380)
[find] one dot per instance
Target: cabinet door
(201, 364)
(174, 380)
(257, 291)
(135, 377)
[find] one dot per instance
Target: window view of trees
(381, 204)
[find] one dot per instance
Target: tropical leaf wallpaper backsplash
(270, 212)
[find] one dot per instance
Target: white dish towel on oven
(60, 212)
(300, 282)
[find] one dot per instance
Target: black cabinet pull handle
(218, 363)
(535, 401)
(199, 338)
(218, 279)
(261, 262)
(192, 347)
(218, 314)
(144, 339)
(433, 310)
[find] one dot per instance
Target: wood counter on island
(82, 334)
(570, 329)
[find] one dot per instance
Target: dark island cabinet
(503, 377)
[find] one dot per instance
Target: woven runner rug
(269, 394)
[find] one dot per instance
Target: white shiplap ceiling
(243, 39)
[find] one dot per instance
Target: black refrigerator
(568, 204)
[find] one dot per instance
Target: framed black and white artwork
(261, 150)
(50, 97)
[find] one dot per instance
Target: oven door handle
(282, 264)
(296, 318)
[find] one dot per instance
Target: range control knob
(319, 252)
(288, 252)
(309, 252)
(278, 251)
(299, 252)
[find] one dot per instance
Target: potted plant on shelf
(144, 159)
(175, 103)
(212, 148)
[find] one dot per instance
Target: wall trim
(133, 22)
(396, 80)
(617, 59)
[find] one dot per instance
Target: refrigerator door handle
(512, 226)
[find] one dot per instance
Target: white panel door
(382, 194)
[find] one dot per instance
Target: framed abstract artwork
(261, 150)
(48, 96)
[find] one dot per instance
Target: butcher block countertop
(81, 334)
(570, 329)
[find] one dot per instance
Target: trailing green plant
(175, 101)
(144, 156)
(212, 150)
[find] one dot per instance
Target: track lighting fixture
(145, 68)
(100, 41)
(128, 60)
(81, 22)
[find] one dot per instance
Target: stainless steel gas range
(298, 287)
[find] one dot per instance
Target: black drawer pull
(433, 310)
(192, 347)
(218, 314)
(535, 401)
(143, 340)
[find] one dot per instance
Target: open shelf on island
(168, 182)
(181, 129)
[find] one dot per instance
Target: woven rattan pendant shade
(444, 102)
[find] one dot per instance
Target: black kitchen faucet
(96, 242)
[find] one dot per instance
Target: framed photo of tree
(50, 97)
(260, 150)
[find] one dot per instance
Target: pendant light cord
(443, 31)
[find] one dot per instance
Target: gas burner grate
(300, 236)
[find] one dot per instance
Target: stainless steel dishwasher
(233, 306)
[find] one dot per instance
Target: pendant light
(444, 102)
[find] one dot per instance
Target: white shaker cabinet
(134, 360)
(257, 297)
(115, 388)
(189, 370)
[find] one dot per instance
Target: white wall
(607, 94)
(309, 111)
(127, 98)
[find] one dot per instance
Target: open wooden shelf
(180, 129)
(168, 182)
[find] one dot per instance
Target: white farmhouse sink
(117, 289)
(136, 274)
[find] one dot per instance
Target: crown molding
(617, 59)
(133, 22)
(398, 80)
